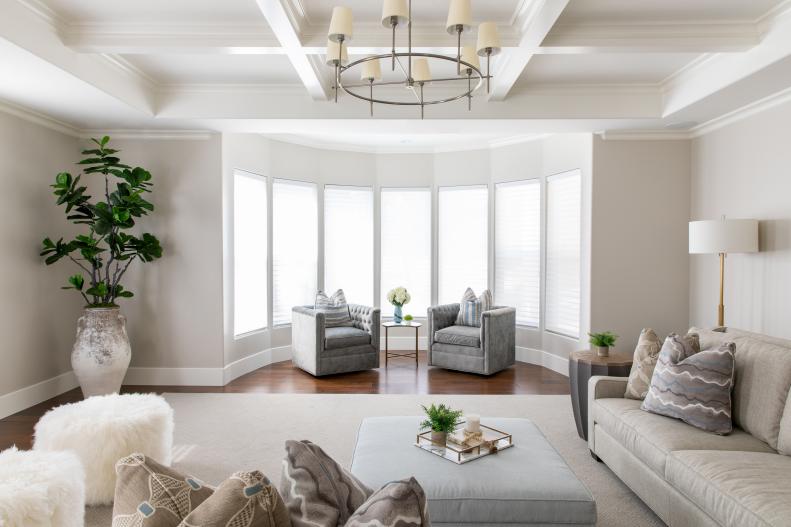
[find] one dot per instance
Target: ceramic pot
(101, 352)
(602, 351)
(398, 315)
(439, 439)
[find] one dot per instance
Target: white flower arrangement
(399, 296)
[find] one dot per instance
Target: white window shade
(250, 252)
(517, 229)
(462, 244)
(406, 247)
(349, 242)
(564, 203)
(294, 247)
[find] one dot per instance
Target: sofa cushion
(471, 307)
(645, 356)
(747, 489)
(652, 437)
(345, 337)
(459, 335)
(335, 309)
(455, 349)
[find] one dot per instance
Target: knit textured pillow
(694, 386)
(335, 309)
(318, 492)
(397, 504)
(245, 499)
(645, 356)
(471, 308)
(148, 494)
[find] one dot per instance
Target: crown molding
(644, 135)
(45, 13)
(742, 113)
(38, 118)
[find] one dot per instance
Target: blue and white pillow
(335, 309)
(471, 308)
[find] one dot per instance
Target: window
(517, 252)
(250, 251)
(349, 242)
(462, 244)
(564, 202)
(294, 247)
(406, 247)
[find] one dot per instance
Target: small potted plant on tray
(602, 342)
(441, 420)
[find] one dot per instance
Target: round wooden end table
(582, 366)
(410, 354)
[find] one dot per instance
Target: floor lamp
(723, 237)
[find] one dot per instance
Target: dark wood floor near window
(400, 377)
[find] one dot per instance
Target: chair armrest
(498, 338)
(442, 316)
(307, 337)
(368, 319)
(602, 387)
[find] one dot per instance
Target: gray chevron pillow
(694, 386)
(645, 356)
(397, 504)
(318, 492)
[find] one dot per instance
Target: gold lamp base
(721, 306)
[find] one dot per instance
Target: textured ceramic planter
(602, 351)
(101, 352)
(439, 439)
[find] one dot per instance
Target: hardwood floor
(400, 377)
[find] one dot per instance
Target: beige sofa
(694, 478)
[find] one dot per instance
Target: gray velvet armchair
(320, 350)
(485, 350)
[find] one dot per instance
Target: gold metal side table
(409, 355)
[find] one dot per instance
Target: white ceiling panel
(157, 11)
(665, 10)
(423, 11)
(220, 69)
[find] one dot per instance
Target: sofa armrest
(601, 387)
(439, 317)
(368, 319)
(498, 338)
(307, 337)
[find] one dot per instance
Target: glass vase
(398, 315)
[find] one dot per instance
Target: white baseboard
(543, 358)
(404, 343)
(252, 362)
(28, 396)
(174, 376)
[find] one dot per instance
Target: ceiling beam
(284, 23)
(536, 23)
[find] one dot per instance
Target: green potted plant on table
(398, 297)
(602, 342)
(441, 420)
(101, 352)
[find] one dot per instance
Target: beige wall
(744, 171)
(37, 319)
(640, 265)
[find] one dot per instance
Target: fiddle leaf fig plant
(105, 252)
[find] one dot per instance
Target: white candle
(473, 423)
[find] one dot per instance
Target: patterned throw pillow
(246, 499)
(645, 355)
(335, 309)
(692, 385)
(397, 504)
(318, 492)
(471, 308)
(148, 494)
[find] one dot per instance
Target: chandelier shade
(488, 39)
(420, 70)
(371, 71)
(459, 15)
(341, 24)
(394, 11)
(469, 56)
(334, 50)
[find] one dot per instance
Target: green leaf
(77, 281)
(105, 140)
(63, 179)
(99, 289)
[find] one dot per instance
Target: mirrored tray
(493, 441)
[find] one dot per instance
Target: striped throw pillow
(471, 308)
(694, 386)
(335, 309)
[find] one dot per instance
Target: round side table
(412, 354)
(582, 366)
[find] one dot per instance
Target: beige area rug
(218, 434)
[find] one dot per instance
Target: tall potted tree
(101, 352)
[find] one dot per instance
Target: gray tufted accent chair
(485, 350)
(320, 350)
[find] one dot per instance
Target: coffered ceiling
(258, 65)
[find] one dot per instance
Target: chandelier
(417, 72)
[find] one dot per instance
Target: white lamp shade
(459, 14)
(394, 8)
(371, 70)
(723, 236)
(420, 70)
(488, 38)
(469, 56)
(332, 53)
(340, 24)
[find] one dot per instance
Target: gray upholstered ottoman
(529, 484)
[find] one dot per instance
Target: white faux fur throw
(101, 430)
(41, 489)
